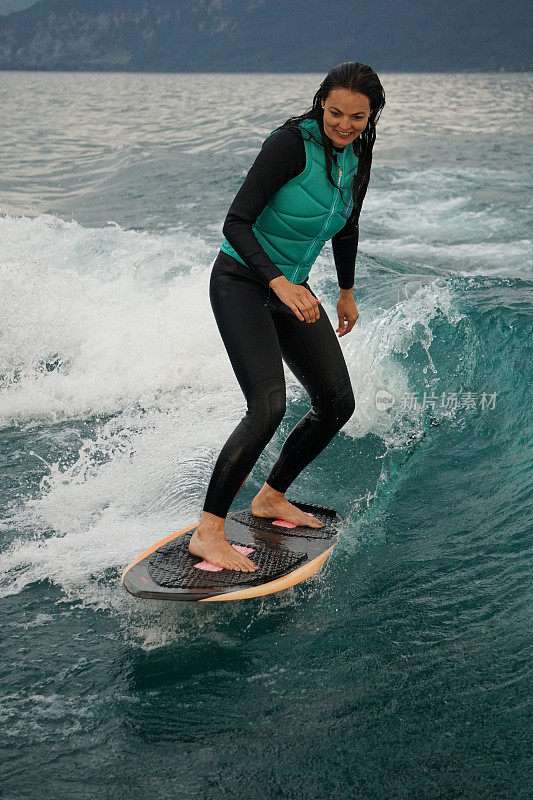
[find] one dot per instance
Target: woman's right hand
(297, 297)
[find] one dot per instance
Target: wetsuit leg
(242, 310)
(313, 353)
(258, 331)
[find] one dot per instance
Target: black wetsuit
(259, 331)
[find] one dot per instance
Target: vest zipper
(325, 225)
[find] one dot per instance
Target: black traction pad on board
(326, 515)
(172, 566)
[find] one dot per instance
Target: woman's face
(345, 115)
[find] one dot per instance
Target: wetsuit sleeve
(281, 158)
(344, 245)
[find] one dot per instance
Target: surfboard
(286, 554)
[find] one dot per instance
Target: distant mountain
(268, 35)
(8, 6)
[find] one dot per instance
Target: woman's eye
(337, 113)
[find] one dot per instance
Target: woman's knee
(339, 404)
(347, 405)
(266, 407)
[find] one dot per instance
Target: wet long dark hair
(355, 77)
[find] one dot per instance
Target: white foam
(492, 259)
(94, 320)
(149, 351)
(454, 218)
(369, 353)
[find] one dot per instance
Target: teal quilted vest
(307, 210)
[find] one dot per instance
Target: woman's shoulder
(282, 146)
(289, 138)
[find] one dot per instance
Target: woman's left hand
(347, 312)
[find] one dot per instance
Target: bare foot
(209, 542)
(270, 503)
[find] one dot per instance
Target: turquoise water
(403, 670)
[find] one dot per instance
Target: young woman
(306, 186)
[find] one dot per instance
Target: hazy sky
(7, 6)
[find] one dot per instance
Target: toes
(240, 566)
(317, 523)
(238, 563)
